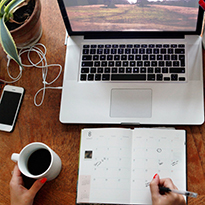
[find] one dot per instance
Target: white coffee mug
(22, 158)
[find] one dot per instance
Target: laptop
(132, 62)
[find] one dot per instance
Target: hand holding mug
(19, 194)
(37, 160)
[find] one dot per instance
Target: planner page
(104, 168)
(161, 151)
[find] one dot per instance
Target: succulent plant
(7, 8)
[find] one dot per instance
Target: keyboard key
(84, 70)
(130, 57)
(90, 77)
(92, 70)
(150, 70)
(181, 45)
(96, 57)
(165, 70)
(177, 70)
(176, 63)
(151, 77)
(100, 70)
(114, 70)
(156, 51)
(125, 63)
(116, 57)
(106, 51)
(107, 70)
(102, 57)
(118, 63)
(121, 70)
(157, 70)
(106, 77)
(87, 57)
(132, 63)
(179, 51)
(98, 77)
(127, 51)
(97, 63)
(123, 57)
(113, 51)
(120, 51)
(104, 63)
(137, 77)
(159, 77)
(92, 51)
(110, 57)
(174, 77)
(147, 63)
(141, 51)
(111, 63)
(83, 77)
(144, 46)
(148, 51)
(128, 70)
(115, 46)
(135, 70)
(138, 57)
(129, 46)
(99, 51)
(100, 46)
(107, 46)
(85, 51)
(134, 51)
(142, 70)
(161, 63)
(182, 79)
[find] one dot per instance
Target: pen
(186, 193)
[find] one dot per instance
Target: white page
(104, 174)
(161, 151)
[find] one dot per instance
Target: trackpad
(131, 103)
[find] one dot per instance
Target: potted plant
(15, 34)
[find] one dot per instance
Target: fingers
(16, 177)
(37, 186)
(167, 182)
(154, 186)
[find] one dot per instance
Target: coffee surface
(39, 161)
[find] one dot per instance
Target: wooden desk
(42, 124)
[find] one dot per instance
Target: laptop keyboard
(133, 62)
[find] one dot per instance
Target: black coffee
(39, 161)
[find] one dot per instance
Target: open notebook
(116, 165)
(132, 62)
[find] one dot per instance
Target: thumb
(37, 186)
(154, 186)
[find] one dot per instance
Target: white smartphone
(10, 103)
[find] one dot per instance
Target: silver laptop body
(155, 99)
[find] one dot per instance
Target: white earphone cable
(41, 64)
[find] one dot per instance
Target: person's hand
(18, 193)
(167, 198)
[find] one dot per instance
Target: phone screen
(8, 107)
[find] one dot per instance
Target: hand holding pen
(169, 198)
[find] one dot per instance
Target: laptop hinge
(140, 35)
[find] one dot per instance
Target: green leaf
(2, 5)
(7, 42)
(12, 5)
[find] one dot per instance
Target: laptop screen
(132, 15)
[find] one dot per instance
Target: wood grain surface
(42, 124)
